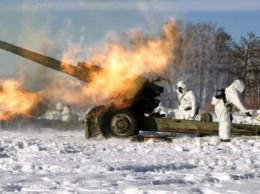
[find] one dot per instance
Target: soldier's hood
(238, 85)
(183, 85)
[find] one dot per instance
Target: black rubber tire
(118, 123)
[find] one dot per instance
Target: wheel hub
(120, 124)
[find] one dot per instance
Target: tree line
(208, 58)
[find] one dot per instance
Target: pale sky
(52, 25)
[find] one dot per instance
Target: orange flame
(17, 102)
(122, 66)
(122, 63)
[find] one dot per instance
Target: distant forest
(208, 58)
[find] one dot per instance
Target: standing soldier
(224, 106)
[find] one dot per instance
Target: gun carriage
(111, 120)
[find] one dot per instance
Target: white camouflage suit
(187, 100)
(224, 116)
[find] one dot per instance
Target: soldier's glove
(192, 117)
(248, 114)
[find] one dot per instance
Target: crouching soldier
(188, 102)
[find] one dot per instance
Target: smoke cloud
(43, 32)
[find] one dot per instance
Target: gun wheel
(119, 124)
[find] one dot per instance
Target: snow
(46, 160)
(52, 161)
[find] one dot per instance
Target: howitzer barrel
(44, 60)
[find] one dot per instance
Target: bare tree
(200, 58)
(246, 56)
(223, 69)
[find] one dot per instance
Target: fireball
(15, 101)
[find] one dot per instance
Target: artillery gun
(140, 97)
(111, 120)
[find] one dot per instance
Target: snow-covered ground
(51, 161)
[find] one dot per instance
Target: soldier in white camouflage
(225, 103)
(188, 102)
